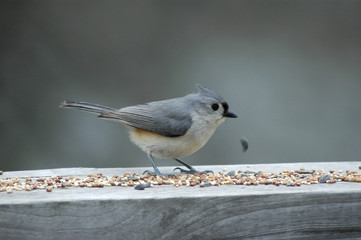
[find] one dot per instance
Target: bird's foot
(191, 170)
(154, 173)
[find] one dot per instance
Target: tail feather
(84, 106)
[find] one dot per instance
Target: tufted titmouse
(171, 128)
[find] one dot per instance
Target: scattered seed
(324, 178)
(248, 178)
(231, 173)
(140, 186)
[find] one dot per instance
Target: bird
(172, 128)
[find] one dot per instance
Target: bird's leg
(191, 170)
(156, 170)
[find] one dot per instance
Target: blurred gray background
(291, 70)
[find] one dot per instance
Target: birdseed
(290, 178)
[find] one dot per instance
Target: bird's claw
(153, 173)
(191, 171)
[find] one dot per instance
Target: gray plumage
(172, 119)
(154, 117)
(181, 125)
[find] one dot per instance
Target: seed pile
(289, 178)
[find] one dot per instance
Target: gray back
(171, 118)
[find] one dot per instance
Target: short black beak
(229, 114)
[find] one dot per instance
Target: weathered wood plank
(321, 211)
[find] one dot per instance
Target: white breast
(165, 147)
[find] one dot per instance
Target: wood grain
(320, 211)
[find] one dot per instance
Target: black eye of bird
(215, 106)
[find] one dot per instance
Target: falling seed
(244, 143)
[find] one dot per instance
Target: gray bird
(171, 128)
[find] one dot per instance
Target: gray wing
(166, 118)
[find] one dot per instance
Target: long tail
(88, 107)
